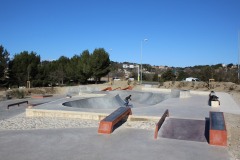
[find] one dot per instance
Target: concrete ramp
(146, 98)
(183, 129)
(114, 99)
(106, 102)
(76, 90)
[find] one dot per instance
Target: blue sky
(180, 33)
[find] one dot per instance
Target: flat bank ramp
(184, 129)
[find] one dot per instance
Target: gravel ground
(21, 122)
(233, 130)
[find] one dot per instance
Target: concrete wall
(81, 115)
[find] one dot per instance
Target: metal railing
(13, 104)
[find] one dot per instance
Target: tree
(73, 69)
(182, 75)
(25, 66)
(206, 73)
(229, 65)
(147, 67)
(147, 77)
(4, 68)
(59, 74)
(155, 78)
(84, 66)
(168, 75)
(217, 66)
(42, 78)
(100, 64)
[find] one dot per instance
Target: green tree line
(27, 66)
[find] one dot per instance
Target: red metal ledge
(217, 130)
(107, 124)
(160, 122)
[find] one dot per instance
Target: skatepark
(183, 135)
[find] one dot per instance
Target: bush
(18, 93)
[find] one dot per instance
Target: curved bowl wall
(115, 99)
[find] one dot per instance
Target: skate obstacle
(128, 88)
(108, 124)
(41, 96)
(107, 89)
(111, 89)
(160, 122)
(13, 104)
(117, 88)
(217, 129)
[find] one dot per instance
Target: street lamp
(141, 56)
(238, 55)
(138, 73)
(110, 64)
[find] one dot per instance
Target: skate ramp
(176, 93)
(115, 99)
(75, 90)
(183, 129)
(146, 98)
(106, 102)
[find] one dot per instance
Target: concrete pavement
(123, 143)
(15, 110)
(86, 144)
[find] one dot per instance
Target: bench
(217, 129)
(106, 125)
(13, 104)
(160, 122)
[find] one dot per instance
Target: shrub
(18, 93)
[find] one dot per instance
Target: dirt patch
(23, 92)
(233, 130)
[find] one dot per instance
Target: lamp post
(138, 73)
(110, 64)
(141, 57)
(238, 55)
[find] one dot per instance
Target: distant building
(234, 66)
(129, 66)
(125, 65)
(160, 67)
